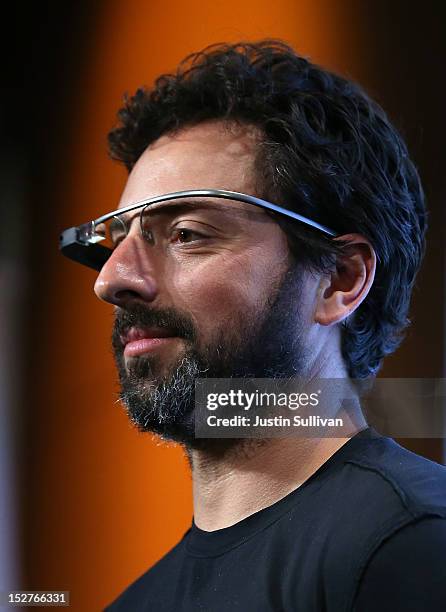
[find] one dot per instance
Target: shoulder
(417, 484)
(407, 571)
(381, 490)
(138, 596)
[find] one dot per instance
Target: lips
(137, 341)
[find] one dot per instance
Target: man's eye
(183, 235)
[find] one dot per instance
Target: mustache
(137, 315)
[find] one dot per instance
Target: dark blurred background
(87, 504)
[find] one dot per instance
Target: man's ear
(341, 291)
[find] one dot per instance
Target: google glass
(83, 243)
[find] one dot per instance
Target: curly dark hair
(328, 151)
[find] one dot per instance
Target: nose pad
(127, 275)
(147, 235)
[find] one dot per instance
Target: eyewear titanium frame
(81, 243)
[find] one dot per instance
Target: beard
(265, 344)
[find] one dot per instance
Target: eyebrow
(178, 207)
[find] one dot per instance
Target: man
(206, 287)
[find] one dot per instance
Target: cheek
(225, 290)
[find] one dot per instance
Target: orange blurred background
(98, 503)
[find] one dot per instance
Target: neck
(252, 474)
(255, 473)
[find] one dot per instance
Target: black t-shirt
(367, 531)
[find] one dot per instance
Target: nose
(127, 275)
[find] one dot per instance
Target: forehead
(210, 155)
